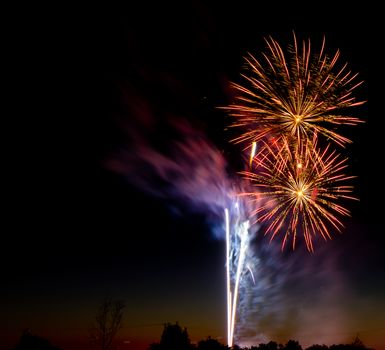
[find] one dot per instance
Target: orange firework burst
(297, 191)
(293, 95)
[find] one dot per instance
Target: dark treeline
(176, 338)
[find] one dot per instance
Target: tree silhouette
(211, 344)
(271, 345)
(292, 345)
(28, 341)
(107, 323)
(173, 338)
(318, 347)
(357, 343)
(155, 346)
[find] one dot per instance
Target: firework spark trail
(251, 273)
(243, 232)
(238, 238)
(229, 308)
(256, 275)
(279, 302)
(252, 153)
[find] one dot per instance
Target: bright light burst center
(298, 119)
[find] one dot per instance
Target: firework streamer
(237, 243)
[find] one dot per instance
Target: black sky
(75, 231)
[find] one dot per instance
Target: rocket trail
(227, 220)
(237, 244)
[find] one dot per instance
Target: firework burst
(298, 191)
(293, 95)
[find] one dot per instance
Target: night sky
(92, 90)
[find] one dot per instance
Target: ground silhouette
(175, 338)
(29, 341)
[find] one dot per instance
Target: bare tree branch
(107, 323)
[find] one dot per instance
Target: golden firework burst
(294, 95)
(297, 191)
